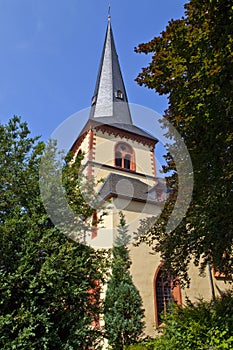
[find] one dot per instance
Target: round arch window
(124, 156)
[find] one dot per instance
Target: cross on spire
(109, 11)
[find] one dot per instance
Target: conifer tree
(123, 312)
(48, 282)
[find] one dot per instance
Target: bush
(141, 346)
(201, 326)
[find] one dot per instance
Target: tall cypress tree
(123, 312)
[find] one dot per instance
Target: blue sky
(50, 53)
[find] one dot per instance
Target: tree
(192, 64)
(48, 282)
(123, 311)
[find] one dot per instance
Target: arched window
(166, 289)
(124, 156)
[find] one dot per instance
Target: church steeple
(110, 99)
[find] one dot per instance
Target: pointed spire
(110, 98)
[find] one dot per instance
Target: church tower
(118, 151)
(122, 154)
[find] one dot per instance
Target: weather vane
(109, 11)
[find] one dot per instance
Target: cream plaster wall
(105, 152)
(143, 268)
(104, 155)
(144, 263)
(200, 285)
(105, 231)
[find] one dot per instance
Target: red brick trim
(94, 294)
(221, 275)
(153, 164)
(78, 143)
(110, 130)
(176, 291)
(91, 152)
(94, 225)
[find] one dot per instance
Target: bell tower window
(124, 156)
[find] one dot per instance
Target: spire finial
(109, 11)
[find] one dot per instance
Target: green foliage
(46, 278)
(200, 326)
(123, 311)
(141, 346)
(192, 63)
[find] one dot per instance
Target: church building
(122, 154)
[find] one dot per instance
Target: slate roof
(95, 123)
(117, 185)
(107, 109)
(105, 102)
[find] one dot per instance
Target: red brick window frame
(124, 156)
(166, 290)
